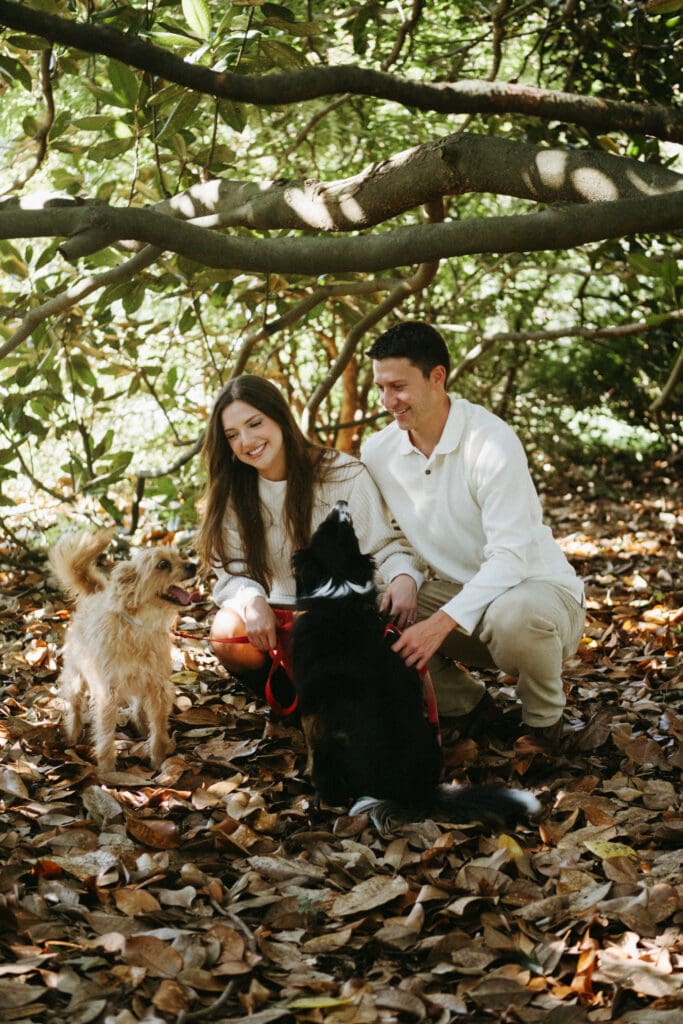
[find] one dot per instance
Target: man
(499, 589)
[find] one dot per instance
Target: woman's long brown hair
(232, 484)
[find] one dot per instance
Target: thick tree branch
(284, 89)
(454, 165)
(561, 227)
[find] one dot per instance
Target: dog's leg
(104, 710)
(73, 695)
(312, 728)
(138, 716)
(158, 712)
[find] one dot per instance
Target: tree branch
(453, 165)
(420, 280)
(44, 124)
(588, 333)
(284, 89)
(561, 227)
(300, 310)
(76, 294)
(672, 382)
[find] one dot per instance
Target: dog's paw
(160, 749)
(385, 815)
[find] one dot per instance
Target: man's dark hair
(418, 342)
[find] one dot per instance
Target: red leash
(428, 696)
(281, 657)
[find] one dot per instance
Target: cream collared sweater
(470, 510)
(350, 481)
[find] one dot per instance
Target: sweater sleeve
(512, 524)
(235, 591)
(376, 534)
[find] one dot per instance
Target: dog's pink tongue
(180, 595)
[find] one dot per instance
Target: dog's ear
(126, 582)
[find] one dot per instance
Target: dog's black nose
(341, 510)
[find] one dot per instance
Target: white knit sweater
(350, 481)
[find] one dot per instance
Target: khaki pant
(527, 632)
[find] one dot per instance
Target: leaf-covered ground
(215, 890)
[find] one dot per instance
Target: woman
(268, 488)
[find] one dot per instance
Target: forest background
(194, 189)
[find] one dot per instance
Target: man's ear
(438, 376)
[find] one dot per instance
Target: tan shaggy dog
(118, 650)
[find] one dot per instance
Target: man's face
(406, 393)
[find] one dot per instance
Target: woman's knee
(228, 625)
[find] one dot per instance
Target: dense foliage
(112, 352)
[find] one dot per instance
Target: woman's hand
(261, 623)
(399, 601)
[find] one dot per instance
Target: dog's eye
(164, 564)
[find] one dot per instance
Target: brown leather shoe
(546, 738)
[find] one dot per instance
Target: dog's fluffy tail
(495, 806)
(73, 558)
(492, 805)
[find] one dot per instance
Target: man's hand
(399, 600)
(419, 642)
(261, 623)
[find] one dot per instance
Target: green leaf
(282, 55)
(171, 380)
(173, 41)
(133, 297)
(7, 455)
(24, 376)
(663, 6)
(28, 42)
(217, 156)
(669, 271)
(299, 28)
(124, 82)
(104, 445)
(233, 114)
(197, 17)
(106, 150)
(95, 122)
(644, 265)
(104, 95)
(111, 508)
(277, 11)
(179, 116)
(81, 370)
(14, 70)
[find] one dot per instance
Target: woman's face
(255, 439)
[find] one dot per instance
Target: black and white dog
(362, 708)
